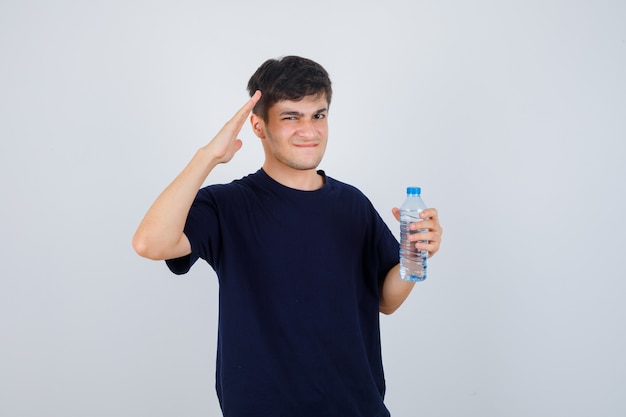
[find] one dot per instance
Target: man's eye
(289, 118)
(320, 116)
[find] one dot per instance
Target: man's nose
(306, 129)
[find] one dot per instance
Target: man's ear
(258, 126)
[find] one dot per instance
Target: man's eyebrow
(297, 113)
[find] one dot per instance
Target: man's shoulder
(344, 187)
(250, 180)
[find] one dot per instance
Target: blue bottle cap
(413, 191)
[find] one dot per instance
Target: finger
(427, 224)
(241, 116)
(430, 213)
(430, 247)
(425, 236)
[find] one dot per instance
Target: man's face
(295, 133)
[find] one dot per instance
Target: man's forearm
(394, 291)
(160, 234)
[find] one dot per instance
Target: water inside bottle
(413, 261)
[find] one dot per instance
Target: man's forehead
(309, 103)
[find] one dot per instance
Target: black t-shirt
(299, 277)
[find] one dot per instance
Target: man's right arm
(160, 234)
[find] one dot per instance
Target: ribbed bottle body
(413, 261)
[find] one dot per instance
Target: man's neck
(303, 180)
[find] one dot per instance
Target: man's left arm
(394, 289)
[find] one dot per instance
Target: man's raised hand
(225, 144)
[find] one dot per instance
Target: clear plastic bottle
(413, 261)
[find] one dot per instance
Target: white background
(511, 115)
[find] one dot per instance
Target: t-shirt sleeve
(387, 248)
(181, 265)
(382, 249)
(202, 230)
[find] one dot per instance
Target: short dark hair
(288, 78)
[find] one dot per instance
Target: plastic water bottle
(413, 261)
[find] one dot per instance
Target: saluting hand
(225, 144)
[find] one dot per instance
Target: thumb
(396, 213)
(237, 144)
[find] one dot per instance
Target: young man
(304, 262)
